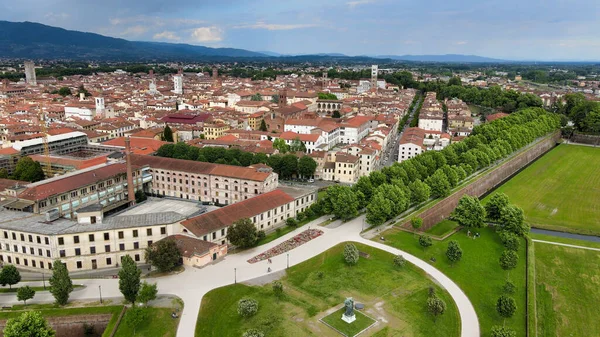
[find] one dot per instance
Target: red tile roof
(224, 217)
(189, 246)
(197, 167)
(138, 145)
(44, 190)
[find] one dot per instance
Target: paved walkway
(565, 245)
(194, 283)
(590, 238)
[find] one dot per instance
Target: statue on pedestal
(349, 315)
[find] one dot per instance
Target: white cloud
(166, 35)
(272, 26)
(154, 20)
(134, 30)
(57, 16)
(460, 43)
(207, 34)
(355, 3)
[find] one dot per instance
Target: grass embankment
(567, 283)
(322, 283)
(478, 273)
(560, 191)
(443, 228)
(159, 323)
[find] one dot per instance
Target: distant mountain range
(37, 41)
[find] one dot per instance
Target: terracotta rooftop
(197, 167)
(189, 246)
(224, 217)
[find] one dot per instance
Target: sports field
(567, 282)
(561, 190)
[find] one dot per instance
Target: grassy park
(561, 190)
(317, 287)
(566, 290)
(443, 228)
(478, 273)
(362, 322)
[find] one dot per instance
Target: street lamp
(100, 290)
(44, 280)
(288, 260)
(235, 275)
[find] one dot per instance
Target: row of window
(120, 234)
(32, 250)
(34, 263)
(38, 239)
(122, 247)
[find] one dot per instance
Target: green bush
(253, 333)
(399, 261)
(247, 307)
(350, 254)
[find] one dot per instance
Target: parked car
(311, 180)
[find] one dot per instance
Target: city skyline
(512, 30)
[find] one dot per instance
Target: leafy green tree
(351, 254)
(140, 196)
(129, 279)
(253, 333)
(399, 261)
(342, 202)
(436, 306)
(306, 166)
(263, 126)
(61, 284)
(280, 145)
(297, 145)
(438, 182)
(510, 240)
(425, 241)
(513, 220)
(28, 324)
(509, 288)
(378, 210)
(416, 223)
(25, 293)
(275, 99)
(9, 275)
(242, 233)
(256, 97)
(247, 307)
(147, 293)
(377, 178)
(64, 91)
(455, 81)
(135, 317)
(277, 289)
(508, 260)
(501, 331)
(289, 166)
(496, 205)
(336, 114)
(419, 192)
(28, 170)
(506, 306)
(454, 252)
(168, 134)
(327, 96)
(365, 187)
(291, 222)
(3, 173)
(469, 212)
(163, 255)
(82, 90)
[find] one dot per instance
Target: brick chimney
(130, 189)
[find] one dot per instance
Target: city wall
(72, 326)
(486, 183)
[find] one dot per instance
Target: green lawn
(443, 228)
(567, 289)
(323, 282)
(14, 289)
(560, 190)
(159, 323)
(349, 329)
(478, 273)
(52, 311)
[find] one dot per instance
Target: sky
(509, 29)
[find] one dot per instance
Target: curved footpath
(194, 283)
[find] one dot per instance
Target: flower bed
(288, 245)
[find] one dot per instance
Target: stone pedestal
(349, 319)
